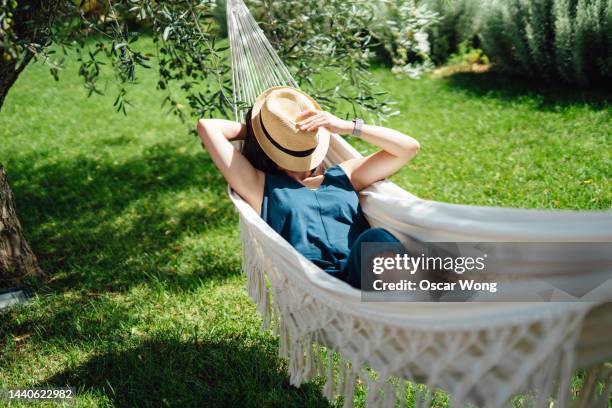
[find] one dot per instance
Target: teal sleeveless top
(321, 224)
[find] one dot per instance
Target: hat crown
(279, 113)
(273, 121)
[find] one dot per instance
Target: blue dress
(325, 225)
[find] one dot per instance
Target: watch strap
(357, 125)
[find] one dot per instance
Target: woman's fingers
(306, 114)
(310, 117)
(316, 124)
(307, 122)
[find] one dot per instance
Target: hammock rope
(255, 64)
(483, 355)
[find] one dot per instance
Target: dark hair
(253, 151)
(258, 158)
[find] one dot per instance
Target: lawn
(146, 304)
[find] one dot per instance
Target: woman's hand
(313, 119)
(396, 148)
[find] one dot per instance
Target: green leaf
(167, 32)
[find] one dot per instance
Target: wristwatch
(357, 125)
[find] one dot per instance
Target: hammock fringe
(550, 366)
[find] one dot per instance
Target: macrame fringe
(302, 346)
(328, 390)
(254, 269)
(589, 397)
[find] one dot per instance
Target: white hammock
(478, 353)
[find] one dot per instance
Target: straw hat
(273, 119)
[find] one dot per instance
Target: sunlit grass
(490, 140)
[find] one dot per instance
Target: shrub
(401, 27)
(456, 24)
(467, 55)
(569, 40)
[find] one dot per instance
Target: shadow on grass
(83, 317)
(101, 226)
(192, 373)
(545, 97)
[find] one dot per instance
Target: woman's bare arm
(396, 148)
(216, 135)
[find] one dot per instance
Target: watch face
(357, 126)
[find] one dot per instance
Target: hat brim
(282, 159)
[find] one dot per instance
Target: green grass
(490, 140)
(146, 304)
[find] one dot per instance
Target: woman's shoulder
(337, 175)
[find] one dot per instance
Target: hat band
(295, 153)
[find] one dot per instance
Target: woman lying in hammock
(281, 175)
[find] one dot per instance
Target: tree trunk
(17, 261)
(9, 72)
(31, 25)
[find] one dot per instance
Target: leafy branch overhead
(106, 33)
(191, 52)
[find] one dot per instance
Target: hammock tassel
(372, 390)
(342, 369)
(328, 390)
(318, 360)
(389, 399)
(308, 372)
(296, 357)
(276, 317)
(349, 388)
(283, 350)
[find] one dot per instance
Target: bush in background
(554, 40)
(568, 40)
(467, 55)
(456, 24)
(401, 27)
